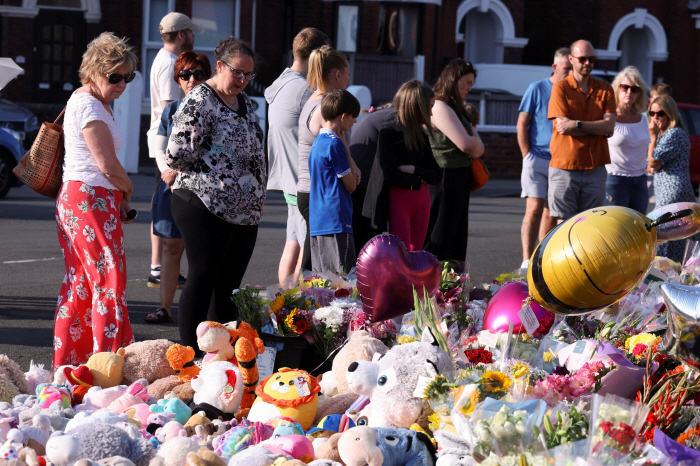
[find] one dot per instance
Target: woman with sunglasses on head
(216, 145)
(191, 70)
(455, 144)
(91, 314)
(669, 161)
(626, 184)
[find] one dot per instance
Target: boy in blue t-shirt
(332, 182)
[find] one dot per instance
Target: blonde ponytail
(322, 62)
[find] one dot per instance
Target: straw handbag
(480, 174)
(42, 167)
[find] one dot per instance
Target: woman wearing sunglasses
(669, 160)
(626, 184)
(91, 315)
(191, 70)
(216, 145)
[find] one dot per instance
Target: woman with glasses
(91, 314)
(455, 144)
(626, 184)
(190, 71)
(216, 145)
(669, 161)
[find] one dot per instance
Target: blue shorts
(163, 223)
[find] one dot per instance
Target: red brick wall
(502, 154)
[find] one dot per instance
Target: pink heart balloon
(504, 308)
(386, 274)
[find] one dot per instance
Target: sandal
(161, 316)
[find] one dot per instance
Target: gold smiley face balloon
(592, 260)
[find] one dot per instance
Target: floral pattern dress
(91, 313)
(219, 153)
(672, 182)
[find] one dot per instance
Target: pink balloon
(504, 308)
(386, 274)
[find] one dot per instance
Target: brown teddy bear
(146, 360)
(360, 347)
(12, 380)
(329, 450)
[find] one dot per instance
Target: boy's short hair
(660, 89)
(472, 113)
(339, 102)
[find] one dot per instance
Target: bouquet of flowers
(324, 288)
(614, 425)
(331, 324)
(291, 314)
(563, 386)
(570, 424)
(690, 272)
(250, 306)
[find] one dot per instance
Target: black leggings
(218, 253)
(303, 205)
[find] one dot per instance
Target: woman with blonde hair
(669, 162)
(404, 167)
(626, 185)
(92, 205)
(455, 144)
(328, 70)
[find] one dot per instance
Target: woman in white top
(91, 314)
(627, 178)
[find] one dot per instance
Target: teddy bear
(111, 461)
(328, 449)
(370, 446)
(204, 457)
(58, 418)
(360, 347)
(12, 380)
(36, 436)
(396, 396)
(18, 456)
(106, 368)
(146, 360)
(174, 452)
(96, 441)
(181, 360)
(160, 387)
(454, 450)
(218, 385)
(289, 393)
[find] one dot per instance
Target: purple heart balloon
(505, 306)
(386, 274)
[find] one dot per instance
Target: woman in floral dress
(216, 144)
(91, 314)
(669, 159)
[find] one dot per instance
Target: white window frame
(157, 45)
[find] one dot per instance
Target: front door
(59, 44)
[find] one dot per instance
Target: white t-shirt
(79, 164)
(163, 87)
(628, 148)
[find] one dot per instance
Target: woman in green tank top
(455, 143)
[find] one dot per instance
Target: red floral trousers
(91, 314)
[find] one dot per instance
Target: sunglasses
(583, 60)
(634, 89)
(240, 74)
(659, 114)
(116, 78)
(199, 75)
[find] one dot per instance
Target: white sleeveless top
(628, 149)
(79, 164)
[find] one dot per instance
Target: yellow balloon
(592, 260)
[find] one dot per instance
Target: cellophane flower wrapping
(690, 271)
(614, 425)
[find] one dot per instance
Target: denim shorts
(163, 223)
(628, 191)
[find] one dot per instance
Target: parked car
(690, 114)
(10, 153)
(21, 120)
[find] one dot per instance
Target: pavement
(32, 268)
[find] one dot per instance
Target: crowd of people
(586, 144)
(404, 168)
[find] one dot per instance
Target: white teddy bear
(219, 384)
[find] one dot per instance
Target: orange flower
(686, 435)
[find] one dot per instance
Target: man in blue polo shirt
(534, 135)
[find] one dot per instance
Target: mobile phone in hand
(132, 214)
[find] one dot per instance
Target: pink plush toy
(297, 446)
(139, 413)
(98, 398)
(134, 395)
(170, 430)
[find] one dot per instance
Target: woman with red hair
(191, 70)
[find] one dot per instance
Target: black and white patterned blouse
(219, 153)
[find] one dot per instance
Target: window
(219, 18)
(346, 37)
(60, 3)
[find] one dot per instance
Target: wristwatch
(579, 124)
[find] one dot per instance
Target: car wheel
(7, 178)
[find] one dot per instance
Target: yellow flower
(403, 339)
(289, 320)
(277, 304)
(646, 339)
(519, 370)
(434, 421)
(548, 356)
(496, 381)
(308, 303)
(471, 402)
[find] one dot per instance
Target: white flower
(88, 318)
(57, 343)
(101, 308)
(81, 291)
(95, 345)
(111, 331)
(118, 312)
(89, 233)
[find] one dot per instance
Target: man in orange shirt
(583, 110)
